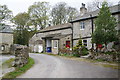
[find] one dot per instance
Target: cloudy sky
(18, 6)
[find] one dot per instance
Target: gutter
(53, 30)
(92, 17)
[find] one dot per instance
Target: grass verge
(96, 62)
(19, 71)
(8, 62)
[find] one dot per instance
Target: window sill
(55, 47)
(82, 29)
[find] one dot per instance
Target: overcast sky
(18, 6)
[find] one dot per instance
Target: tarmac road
(47, 66)
(4, 69)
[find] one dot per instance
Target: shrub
(84, 51)
(65, 51)
(79, 49)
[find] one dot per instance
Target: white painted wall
(38, 48)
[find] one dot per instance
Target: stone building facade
(67, 35)
(6, 39)
(55, 38)
(83, 25)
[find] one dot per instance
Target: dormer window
(82, 25)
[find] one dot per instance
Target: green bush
(76, 55)
(80, 49)
(84, 51)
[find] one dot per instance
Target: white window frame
(55, 44)
(85, 44)
(82, 25)
(2, 47)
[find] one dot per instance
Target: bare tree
(96, 4)
(72, 13)
(58, 13)
(61, 13)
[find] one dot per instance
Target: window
(2, 47)
(82, 25)
(85, 42)
(55, 44)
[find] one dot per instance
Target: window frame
(82, 25)
(2, 47)
(85, 42)
(55, 44)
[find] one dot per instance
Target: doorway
(67, 44)
(48, 45)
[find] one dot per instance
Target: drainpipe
(72, 36)
(92, 29)
(58, 46)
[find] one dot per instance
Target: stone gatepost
(21, 56)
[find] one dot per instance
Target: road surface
(3, 58)
(5, 69)
(47, 66)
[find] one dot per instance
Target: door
(67, 44)
(55, 46)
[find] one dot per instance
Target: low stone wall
(105, 57)
(21, 56)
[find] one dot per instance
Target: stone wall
(62, 41)
(105, 57)
(21, 56)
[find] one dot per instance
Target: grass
(96, 62)
(50, 54)
(8, 62)
(19, 71)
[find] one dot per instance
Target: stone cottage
(36, 45)
(83, 25)
(55, 38)
(6, 39)
(67, 35)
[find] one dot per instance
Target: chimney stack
(83, 10)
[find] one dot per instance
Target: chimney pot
(83, 9)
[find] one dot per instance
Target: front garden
(105, 32)
(81, 51)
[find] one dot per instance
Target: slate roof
(56, 36)
(57, 27)
(38, 42)
(5, 29)
(113, 9)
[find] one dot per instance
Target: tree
(96, 4)
(5, 14)
(22, 33)
(61, 13)
(21, 20)
(105, 23)
(38, 13)
(71, 13)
